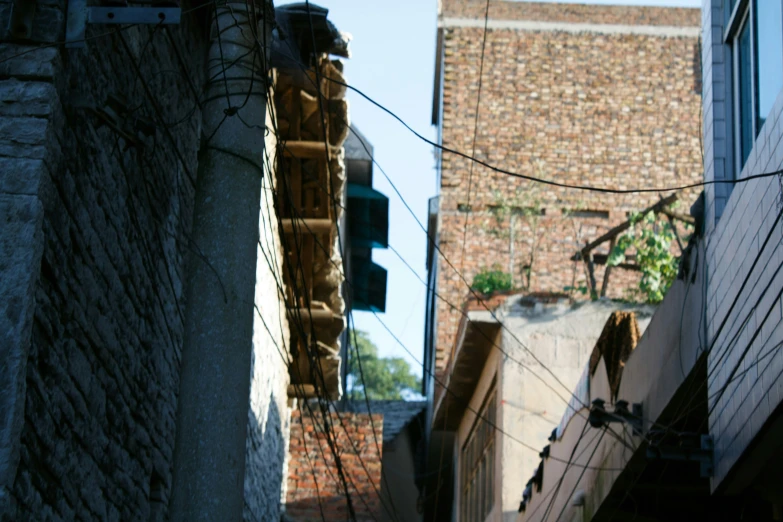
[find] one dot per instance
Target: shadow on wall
(265, 455)
(263, 469)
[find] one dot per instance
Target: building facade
(103, 146)
(505, 405)
(742, 129)
(605, 96)
(714, 414)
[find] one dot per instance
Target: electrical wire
(281, 143)
(579, 479)
(500, 170)
(440, 383)
(565, 472)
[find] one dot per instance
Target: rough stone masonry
(606, 96)
(95, 227)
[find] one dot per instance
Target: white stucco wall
(744, 383)
(269, 415)
(562, 339)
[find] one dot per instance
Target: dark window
(745, 99)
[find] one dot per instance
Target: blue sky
(393, 56)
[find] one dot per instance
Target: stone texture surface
(313, 483)
(269, 415)
(97, 238)
(607, 110)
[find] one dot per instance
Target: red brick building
(606, 96)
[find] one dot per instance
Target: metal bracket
(599, 417)
(20, 23)
(704, 455)
(79, 15)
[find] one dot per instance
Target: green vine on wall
(652, 240)
(526, 205)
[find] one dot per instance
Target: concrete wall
(664, 357)
(269, 415)
(490, 375)
(562, 338)
(399, 490)
(745, 366)
(94, 246)
(530, 402)
(598, 95)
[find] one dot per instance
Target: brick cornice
(538, 25)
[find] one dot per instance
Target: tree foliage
(652, 240)
(385, 378)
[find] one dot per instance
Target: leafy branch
(652, 240)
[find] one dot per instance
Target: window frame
(477, 467)
(740, 15)
(743, 12)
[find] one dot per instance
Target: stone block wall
(102, 358)
(94, 248)
(314, 488)
(579, 100)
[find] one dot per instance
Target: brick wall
(94, 247)
(609, 110)
(313, 483)
(745, 359)
(571, 13)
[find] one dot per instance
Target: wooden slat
(680, 217)
(607, 271)
(306, 149)
(301, 391)
(600, 259)
(307, 226)
(665, 202)
(314, 314)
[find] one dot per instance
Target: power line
(565, 472)
(549, 182)
(281, 143)
(475, 132)
(443, 385)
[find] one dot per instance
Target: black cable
(500, 170)
(565, 472)
(475, 132)
(281, 143)
(576, 484)
(443, 385)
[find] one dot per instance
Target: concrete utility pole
(209, 457)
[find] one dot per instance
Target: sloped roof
(396, 414)
(357, 146)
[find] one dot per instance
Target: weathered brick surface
(103, 232)
(607, 110)
(571, 13)
(313, 482)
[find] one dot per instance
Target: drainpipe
(212, 411)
